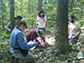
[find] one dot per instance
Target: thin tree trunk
(40, 5)
(22, 7)
(29, 7)
(3, 11)
(12, 14)
(62, 26)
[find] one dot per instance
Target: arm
(79, 32)
(22, 43)
(37, 19)
(7, 27)
(44, 19)
(68, 31)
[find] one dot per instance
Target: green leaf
(1, 61)
(81, 0)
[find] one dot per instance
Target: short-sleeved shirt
(40, 22)
(73, 28)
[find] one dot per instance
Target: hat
(39, 33)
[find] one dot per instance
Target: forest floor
(44, 54)
(47, 57)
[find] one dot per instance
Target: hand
(72, 37)
(36, 43)
(42, 44)
(37, 24)
(45, 43)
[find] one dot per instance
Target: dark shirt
(32, 35)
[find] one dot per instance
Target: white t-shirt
(73, 28)
(40, 22)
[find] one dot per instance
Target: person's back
(13, 40)
(31, 35)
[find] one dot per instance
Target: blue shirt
(17, 41)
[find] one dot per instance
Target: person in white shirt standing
(41, 21)
(74, 30)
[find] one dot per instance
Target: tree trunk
(3, 7)
(44, 3)
(12, 14)
(21, 8)
(62, 26)
(29, 7)
(40, 5)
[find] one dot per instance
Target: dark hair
(40, 13)
(18, 17)
(22, 22)
(72, 17)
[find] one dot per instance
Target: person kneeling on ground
(8, 27)
(74, 30)
(19, 47)
(34, 34)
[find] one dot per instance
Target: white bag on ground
(80, 55)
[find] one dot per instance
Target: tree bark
(40, 5)
(29, 7)
(12, 14)
(21, 7)
(62, 26)
(3, 7)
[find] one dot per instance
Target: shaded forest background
(29, 10)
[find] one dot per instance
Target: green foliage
(56, 51)
(4, 36)
(31, 22)
(76, 8)
(28, 9)
(1, 61)
(50, 10)
(5, 54)
(82, 1)
(51, 59)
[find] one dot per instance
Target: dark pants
(73, 41)
(43, 30)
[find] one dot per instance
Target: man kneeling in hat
(34, 34)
